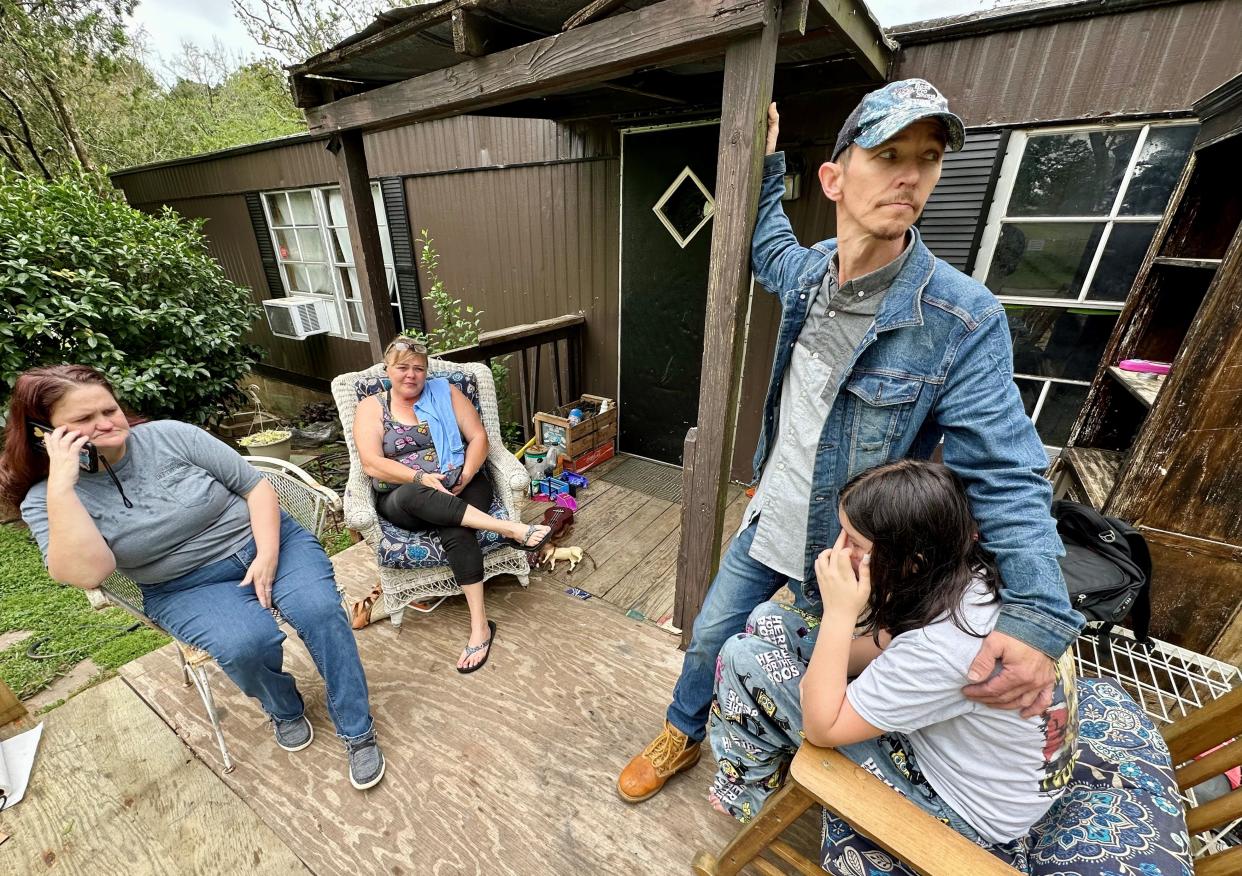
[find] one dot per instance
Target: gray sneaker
(366, 761)
(293, 735)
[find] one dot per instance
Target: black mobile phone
(88, 456)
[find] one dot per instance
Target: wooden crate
(591, 458)
(587, 435)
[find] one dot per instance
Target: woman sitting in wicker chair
(424, 447)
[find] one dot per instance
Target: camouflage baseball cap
(885, 112)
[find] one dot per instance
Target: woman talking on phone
(201, 532)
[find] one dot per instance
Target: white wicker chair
(509, 478)
(303, 498)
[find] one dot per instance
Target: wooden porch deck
(630, 542)
(508, 771)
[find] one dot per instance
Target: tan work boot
(669, 753)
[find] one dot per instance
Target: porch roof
(643, 66)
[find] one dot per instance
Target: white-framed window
(311, 238)
(1074, 212)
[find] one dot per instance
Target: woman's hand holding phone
(64, 447)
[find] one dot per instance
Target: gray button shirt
(837, 321)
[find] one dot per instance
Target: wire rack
(1169, 683)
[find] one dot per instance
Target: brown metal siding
(482, 141)
(1145, 62)
(230, 239)
(530, 243)
(288, 166)
(445, 145)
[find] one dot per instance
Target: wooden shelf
(1096, 471)
(1169, 261)
(1144, 387)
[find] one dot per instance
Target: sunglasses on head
(405, 345)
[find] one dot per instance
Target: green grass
(61, 621)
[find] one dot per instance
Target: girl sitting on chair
(424, 447)
(908, 592)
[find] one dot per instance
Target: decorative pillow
(465, 382)
(1120, 813)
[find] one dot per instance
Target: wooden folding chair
(1169, 678)
(1215, 726)
(829, 778)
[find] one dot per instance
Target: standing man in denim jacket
(882, 351)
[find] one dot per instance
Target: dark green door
(663, 285)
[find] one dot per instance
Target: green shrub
(85, 278)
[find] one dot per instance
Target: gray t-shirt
(187, 489)
(999, 771)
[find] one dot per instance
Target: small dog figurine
(572, 554)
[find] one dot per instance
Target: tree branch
(69, 123)
(27, 137)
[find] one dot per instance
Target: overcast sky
(169, 22)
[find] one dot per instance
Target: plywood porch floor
(630, 540)
(510, 770)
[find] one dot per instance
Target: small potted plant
(269, 442)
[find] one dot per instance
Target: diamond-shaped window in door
(685, 207)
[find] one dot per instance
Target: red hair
(35, 393)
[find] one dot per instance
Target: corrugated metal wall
(1142, 62)
(462, 168)
(530, 243)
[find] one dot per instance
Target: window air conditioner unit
(299, 317)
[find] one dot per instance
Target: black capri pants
(415, 507)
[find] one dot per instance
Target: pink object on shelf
(1144, 366)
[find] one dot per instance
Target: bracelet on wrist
(418, 476)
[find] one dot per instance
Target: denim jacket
(938, 361)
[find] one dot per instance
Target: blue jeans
(740, 584)
(207, 609)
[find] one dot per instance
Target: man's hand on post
(1024, 682)
(774, 128)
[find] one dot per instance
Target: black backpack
(1107, 568)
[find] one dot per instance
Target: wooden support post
(351, 168)
(534, 383)
(577, 365)
(682, 594)
(749, 64)
(524, 392)
(557, 386)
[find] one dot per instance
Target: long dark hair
(35, 393)
(925, 545)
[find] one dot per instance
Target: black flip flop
(530, 530)
(474, 649)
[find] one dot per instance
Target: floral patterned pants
(755, 728)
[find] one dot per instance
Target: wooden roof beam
(434, 15)
(669, 32)
(867, 42)
(476, 34)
